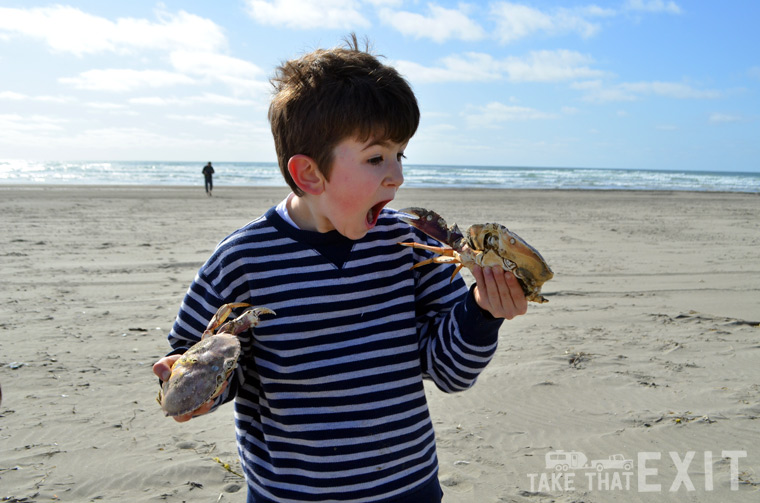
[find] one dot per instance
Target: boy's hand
(163, 369)
(498, 292)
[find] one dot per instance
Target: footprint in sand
(455, 483)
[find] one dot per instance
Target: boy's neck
(301, 210)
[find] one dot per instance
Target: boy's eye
(377, 160)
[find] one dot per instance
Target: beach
(648, 348)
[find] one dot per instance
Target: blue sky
(652, 84)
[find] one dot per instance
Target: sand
(648, 348)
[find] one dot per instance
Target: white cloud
(469, 67)
(121, 138)
(102, 105)
(182, 31)
(385, 3)
(550, 66)
(595, 11)
(218, 99)
(53, 99)
(723, 118)
(496, 113)
(67, 29)
(653, 6)
(64, 29)
(210, 64)
(11, 96)
(157, 101)
(216, 120)
(670, 90)
(13, 124)
(14, 96)
(43, 136)
(242, 76)
(122, 80)
(514, 21)
(308, 14)
(440, 25)
(595, 91)
(537, 66)
(205, 98)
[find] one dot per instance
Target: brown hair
(329, 95)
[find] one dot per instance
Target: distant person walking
(208, 173)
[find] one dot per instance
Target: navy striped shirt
(329, 400)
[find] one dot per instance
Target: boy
(329, 399)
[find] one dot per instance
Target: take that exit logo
(574, 470)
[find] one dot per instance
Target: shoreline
(648, 344)
(64, 186)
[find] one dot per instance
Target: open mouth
(374, 213)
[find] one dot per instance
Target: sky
(629, 84)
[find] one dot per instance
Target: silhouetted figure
(208, 173)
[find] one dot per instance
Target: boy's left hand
(498, 292)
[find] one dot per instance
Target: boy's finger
(163, 367)
(506, 302)
(197, 412)
(162, 370)
(516, 293)
(184, 418)
(492, 290)
(477, 272)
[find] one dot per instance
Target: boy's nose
(395, 175)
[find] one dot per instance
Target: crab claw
(248, 319)
(221, 315)
(432, 224)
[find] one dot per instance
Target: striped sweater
(328, 394)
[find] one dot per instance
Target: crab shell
(485, 245)
(199, 374)
(494, 244)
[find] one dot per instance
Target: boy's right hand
(498, 292)
(163, 369)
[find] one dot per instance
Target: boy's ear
(306, 174)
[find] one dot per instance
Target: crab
(485, 245)
(200, 373)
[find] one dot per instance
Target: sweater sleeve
(457, 338)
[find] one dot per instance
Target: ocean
(265, 174)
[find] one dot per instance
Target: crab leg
(445, 256)
(440, 250)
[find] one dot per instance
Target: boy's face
(364, 178)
